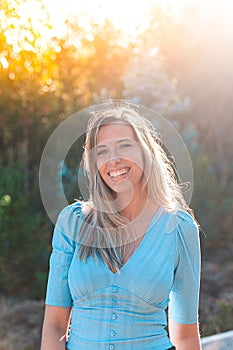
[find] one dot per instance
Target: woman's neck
(131, 208)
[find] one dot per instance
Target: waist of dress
(151, 343)
(101, 327)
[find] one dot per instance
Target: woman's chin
(123, 186)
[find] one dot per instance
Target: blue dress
(125, 311)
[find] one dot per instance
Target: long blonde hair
(104, 230)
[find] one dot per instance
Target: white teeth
(118, 172)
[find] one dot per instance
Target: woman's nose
(113, 155)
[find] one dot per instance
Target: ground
(20, 324)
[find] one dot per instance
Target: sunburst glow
(35, 22)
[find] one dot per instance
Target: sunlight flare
(30, 25)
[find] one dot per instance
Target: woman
(131, 252)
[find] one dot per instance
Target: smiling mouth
(118, 174)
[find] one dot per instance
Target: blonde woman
(130, 253)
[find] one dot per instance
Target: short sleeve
(63, 244)
(184, 296)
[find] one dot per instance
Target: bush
(24, 245)
(213, 204)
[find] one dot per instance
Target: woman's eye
(102, 152)
(125, 145)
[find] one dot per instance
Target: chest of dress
(148, 274)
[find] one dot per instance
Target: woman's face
(119, 157)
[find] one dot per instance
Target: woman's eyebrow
(102, 145)
(125, 139)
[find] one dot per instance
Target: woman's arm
(184, 336)
(55, 327)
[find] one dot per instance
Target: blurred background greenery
(57, 58)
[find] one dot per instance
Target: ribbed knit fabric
(127, 311)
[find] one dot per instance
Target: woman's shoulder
(181, 221)
(75, 209)
(70, 218)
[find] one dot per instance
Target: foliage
(150, 85)
(24, 243)
(213, 204)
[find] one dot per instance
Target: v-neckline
(155, 217)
